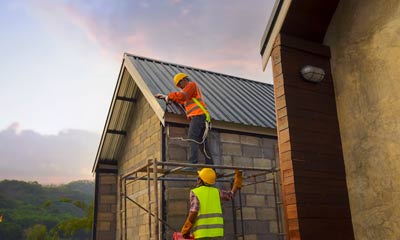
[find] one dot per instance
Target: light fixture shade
(312, 73)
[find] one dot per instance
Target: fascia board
(144, 89)
(274, 29)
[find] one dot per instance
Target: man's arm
(186, 94)
(237, 184)
(191, 218)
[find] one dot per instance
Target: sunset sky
(60, 62)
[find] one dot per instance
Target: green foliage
(63, 211)
(37, 232)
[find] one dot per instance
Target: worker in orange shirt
(196, 111)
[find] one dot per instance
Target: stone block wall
(227, 148)
(106, 191)
(143, 142)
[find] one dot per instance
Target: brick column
(105, 206)
(313, 175)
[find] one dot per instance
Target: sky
(60, 61)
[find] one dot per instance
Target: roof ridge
(197, 69)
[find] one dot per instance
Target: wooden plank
(279, 91)
(280, 102)
(284, 135)
(286, 165)
(287, 173)
(308, 123)
(281, 112)
(285, 156)
(317, 198)
(315, 147)
(276, 69)
(278, 80)
(322, 211)
(319, 188)
(287, 40)
(288, 189)
(311, 136)
(291, 210)
(291, 198)
(330, 229)
(288, 180)
(293, 224)
(319, 174)
(284, 147)
(306, 103)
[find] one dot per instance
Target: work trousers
(197, 126)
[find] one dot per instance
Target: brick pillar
(105, 217)
(312, 168)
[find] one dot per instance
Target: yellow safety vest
(209, 220)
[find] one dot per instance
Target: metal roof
(228, 98)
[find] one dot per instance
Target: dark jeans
(196, 131)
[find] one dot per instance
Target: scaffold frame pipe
(152, 172)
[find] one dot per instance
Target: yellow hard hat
(207, 175)
(178, 77)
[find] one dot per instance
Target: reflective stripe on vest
(209, 221)
(208, 118)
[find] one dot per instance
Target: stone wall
(106, 191)
(364, 41)
(143, 142)
(227, 149)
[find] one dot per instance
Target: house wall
(143, 142)
(106, 204)
(364, 40)
(260, 221)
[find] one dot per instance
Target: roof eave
(106, 125)
(144, 89)
(273, 28)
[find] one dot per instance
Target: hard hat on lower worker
(178, 77)
(207, 175)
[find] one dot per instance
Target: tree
(69, 227)
(37, 232)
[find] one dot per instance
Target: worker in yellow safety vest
(196, 111)
(205, 215)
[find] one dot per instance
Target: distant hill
(26, 204)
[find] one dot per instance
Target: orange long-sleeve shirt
(185, 97)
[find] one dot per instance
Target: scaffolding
(154, 171)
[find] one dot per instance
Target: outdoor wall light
(312, 73)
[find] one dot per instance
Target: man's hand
(186, 229)
(161, 96)
(238, 179)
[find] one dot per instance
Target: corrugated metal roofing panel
(228, 98)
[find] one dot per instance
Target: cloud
(172, 30)
(27, 155)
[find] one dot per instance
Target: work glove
(186, 229)
(238, 179)
(161, 96)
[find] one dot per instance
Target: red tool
(178, 236)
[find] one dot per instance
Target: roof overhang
(303, 19)
(273, 28)
(123, 102)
